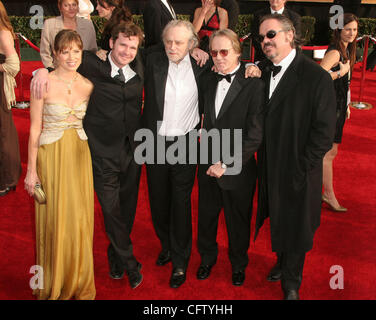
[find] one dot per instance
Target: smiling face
(69, 58)
(349, 32)
(124, 49)
(178, 43)
(277, 48)
(68, 8)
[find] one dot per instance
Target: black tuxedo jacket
(156, 72)
(243, 109)
(156, 16)
(114, 111)
(299, 129)
(292, 15)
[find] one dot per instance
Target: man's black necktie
(275, 69)
(120, 76)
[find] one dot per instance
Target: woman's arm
(223, 18)
(198, 19)
(36, 112)
(332, 59)
(6, 45)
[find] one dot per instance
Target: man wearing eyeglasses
(276, 7)
(299, 130)
(230, 102)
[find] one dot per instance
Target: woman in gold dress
(59, 159)
(10, 161)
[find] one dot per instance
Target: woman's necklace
(68, 83)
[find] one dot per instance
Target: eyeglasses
(222, 52)
(270, 35)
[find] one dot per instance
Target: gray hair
(182, 23)
(287, 25)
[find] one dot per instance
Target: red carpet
(347, 240)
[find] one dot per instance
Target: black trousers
(237, 205)
(291, 265)
(116, 182)
(170, 188)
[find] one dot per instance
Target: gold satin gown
(65, 224)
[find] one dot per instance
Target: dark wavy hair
(350, 53)
(120, 14)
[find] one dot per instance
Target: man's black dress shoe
(291, 294)
(134, 276)
(163, 258)
(203, 272)
(116, 270)
(177, 277)
(238, 278)
(275, 273)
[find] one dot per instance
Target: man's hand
(102, 54)
(252, 71)
(200, 56)
(39, 84)
(216, 170)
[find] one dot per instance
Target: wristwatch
(338, 74)
(223, 166)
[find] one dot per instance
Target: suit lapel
(233, 91)
(211, 93)
(160, 77)
(285, 85)
(166, 11)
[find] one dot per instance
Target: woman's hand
(31, 180)
(344, 67)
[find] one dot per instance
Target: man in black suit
(157, 14)
(112, 117)
(299, 130)
(230, 103)
(276, 6)
(171, 113)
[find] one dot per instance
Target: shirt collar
(287, 60)
(233, 71)
(186, 60)
(115, 68)
(280, 11)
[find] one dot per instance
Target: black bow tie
(275, 69)
(225, 76)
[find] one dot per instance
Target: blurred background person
(85, 8)
(207, 19)
(59, 159)
(10, 163)
(115, 12)
(67, 20)
(339, 61)
(157, 14)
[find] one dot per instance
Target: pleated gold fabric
(65, 224)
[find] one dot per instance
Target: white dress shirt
(127, 71)
(180, 113)
(222, 89)
(284, 64)
(171, 9)
(280, 11)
